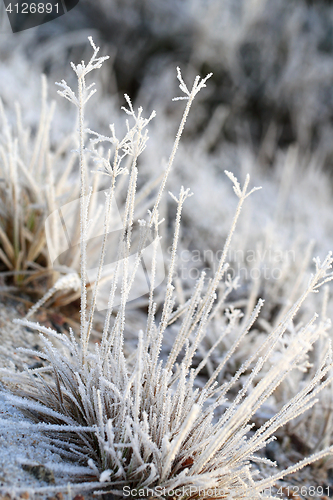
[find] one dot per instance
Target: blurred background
(272, 62)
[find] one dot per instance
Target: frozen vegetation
(199, 357)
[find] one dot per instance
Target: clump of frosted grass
(146, 423)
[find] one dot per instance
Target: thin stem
(83, 220)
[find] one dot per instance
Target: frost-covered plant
(34, 177)
(147, 422)
(23, 204)
(38, 246)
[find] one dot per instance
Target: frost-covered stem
(83, 222)
(138, 378)
(221, 267)
(127, 231)
(106, 343)
(190, 351)
(185, 329)
(176, 443)
(180, 202)
(42, 301)
(154, 212)
(123, 254)
(266, 483)
(103, 248)
(81, 70)
(151, 306)
(172, 155)
(242, 195)
(244, 331)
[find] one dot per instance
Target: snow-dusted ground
(18, 444)
(21, 447)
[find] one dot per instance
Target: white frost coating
(144, 420)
